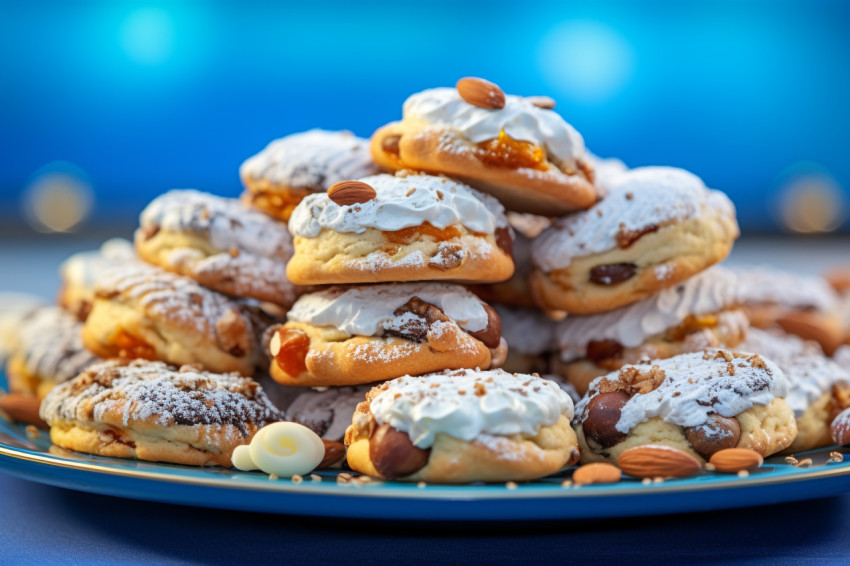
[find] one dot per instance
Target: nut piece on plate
(734, 460)
(597, 472)
(657, 461)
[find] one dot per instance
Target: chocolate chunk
(416, 329)
(598, 350)
(394, 455)
(612, 273)
(717, 433)
(492, 334)
(603, 413)
(625, 238)
(390, 144)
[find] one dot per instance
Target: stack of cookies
(405, 294)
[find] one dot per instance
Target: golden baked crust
(424, 147)
(155, 412)
(371, 257)
(276, 201)
(822, 327)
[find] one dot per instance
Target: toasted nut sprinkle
(315, 477)
(743, 473)
(646, 481)
(274, 477)
(710, 467)
(805, 463)
(421, 485)
(567, 483)
(791, 460)
(833, 456)
(32, 431)
(296, 479)
(343, 478)
(657, 480)
(511, 485)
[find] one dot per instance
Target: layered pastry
(49, 351)
(531, 339)
(141, 311)
(509, 146)
(290, 168)
(818, 387)
(700, 403)
(219, 243)
(81, 271)
(799, 304)
(406, 227)
(326, 411)
(463, 426)
(14, 308)
(692, 316)
(355, 335)
(839, 278)
(156, 412)
(658, 226)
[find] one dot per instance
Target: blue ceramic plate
(30, 456)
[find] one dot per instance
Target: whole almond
(543, 102)
(334, 452)
(598, 472)
(22, 408)
(733, 460)
(481, 93)
(657, 461)
(351, 192)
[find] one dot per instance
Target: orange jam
(414, 233)
(278, 205)
(292, 356)
(691, 324)
(504, 151)
(131, 347)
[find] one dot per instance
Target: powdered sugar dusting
(51, 345)
(763, 284)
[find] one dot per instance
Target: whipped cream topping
(51, 345)
(520, 119)
(526, 331)
(810, 374)
(312, 160)
(842, 356)
(468, 403)
(638, 199)
(711, 291)
(402, 201)
(367, 310)
(84, 268)
(696, 385)
(763, 284)
(226, 222)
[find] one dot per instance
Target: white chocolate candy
(283, 449)
(241, 459)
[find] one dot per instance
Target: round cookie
(81, 271)
(50, 350)
(690, 317)
(155, 412)
(531, 340)
(141, 311)
(290, 168)
(462, 426)
(362, 334)
(219, 243)
(657, 227)
(411, 228)
(327, 412)
(699, 403)
(526, 156)
(799, 304)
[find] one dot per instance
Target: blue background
(140, 97)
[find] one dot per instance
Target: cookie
(80, 272)
(462, 426)
(141, 311)
(818, 387)
(49, 351)
(657, 227)
(690, 317)
(362, 334)
(219, 243)
(14, 308)
(326, 411)
(799, 304)
(699, 403)
(526, 156)
(407, 227)
(290, 168)
(156, 412)
(530, 336)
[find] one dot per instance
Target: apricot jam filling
(279, 206)
(504, 151)
(691, 324)
(291, 356)
(415, 233)
(129, 346)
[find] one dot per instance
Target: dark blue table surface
(46, 525)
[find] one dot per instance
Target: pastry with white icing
(526, 156)
(290, 168)
(404, 227)
(81, 271)
(700, 403)
(463, 426)
(49, 351)
(658, 226)
(530, 336)
(694, 315)
(156, 412)
(218, 242)
(804, 305)
(605, 170)
(361, 334)
(818, 387)
(325, 411)
(141, 311)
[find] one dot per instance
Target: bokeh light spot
(147, 35)
(812, 203)
(57, 199)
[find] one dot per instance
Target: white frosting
(368, 310)
(759, 285)
(639, 199)
(313, 160)
(468, 403)
(520, 119)
(401, 202)
(842, 357)
(810, 374)
(694, 387)
(51, 345)
(707, 293)
(84, 268)
(526, 331)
